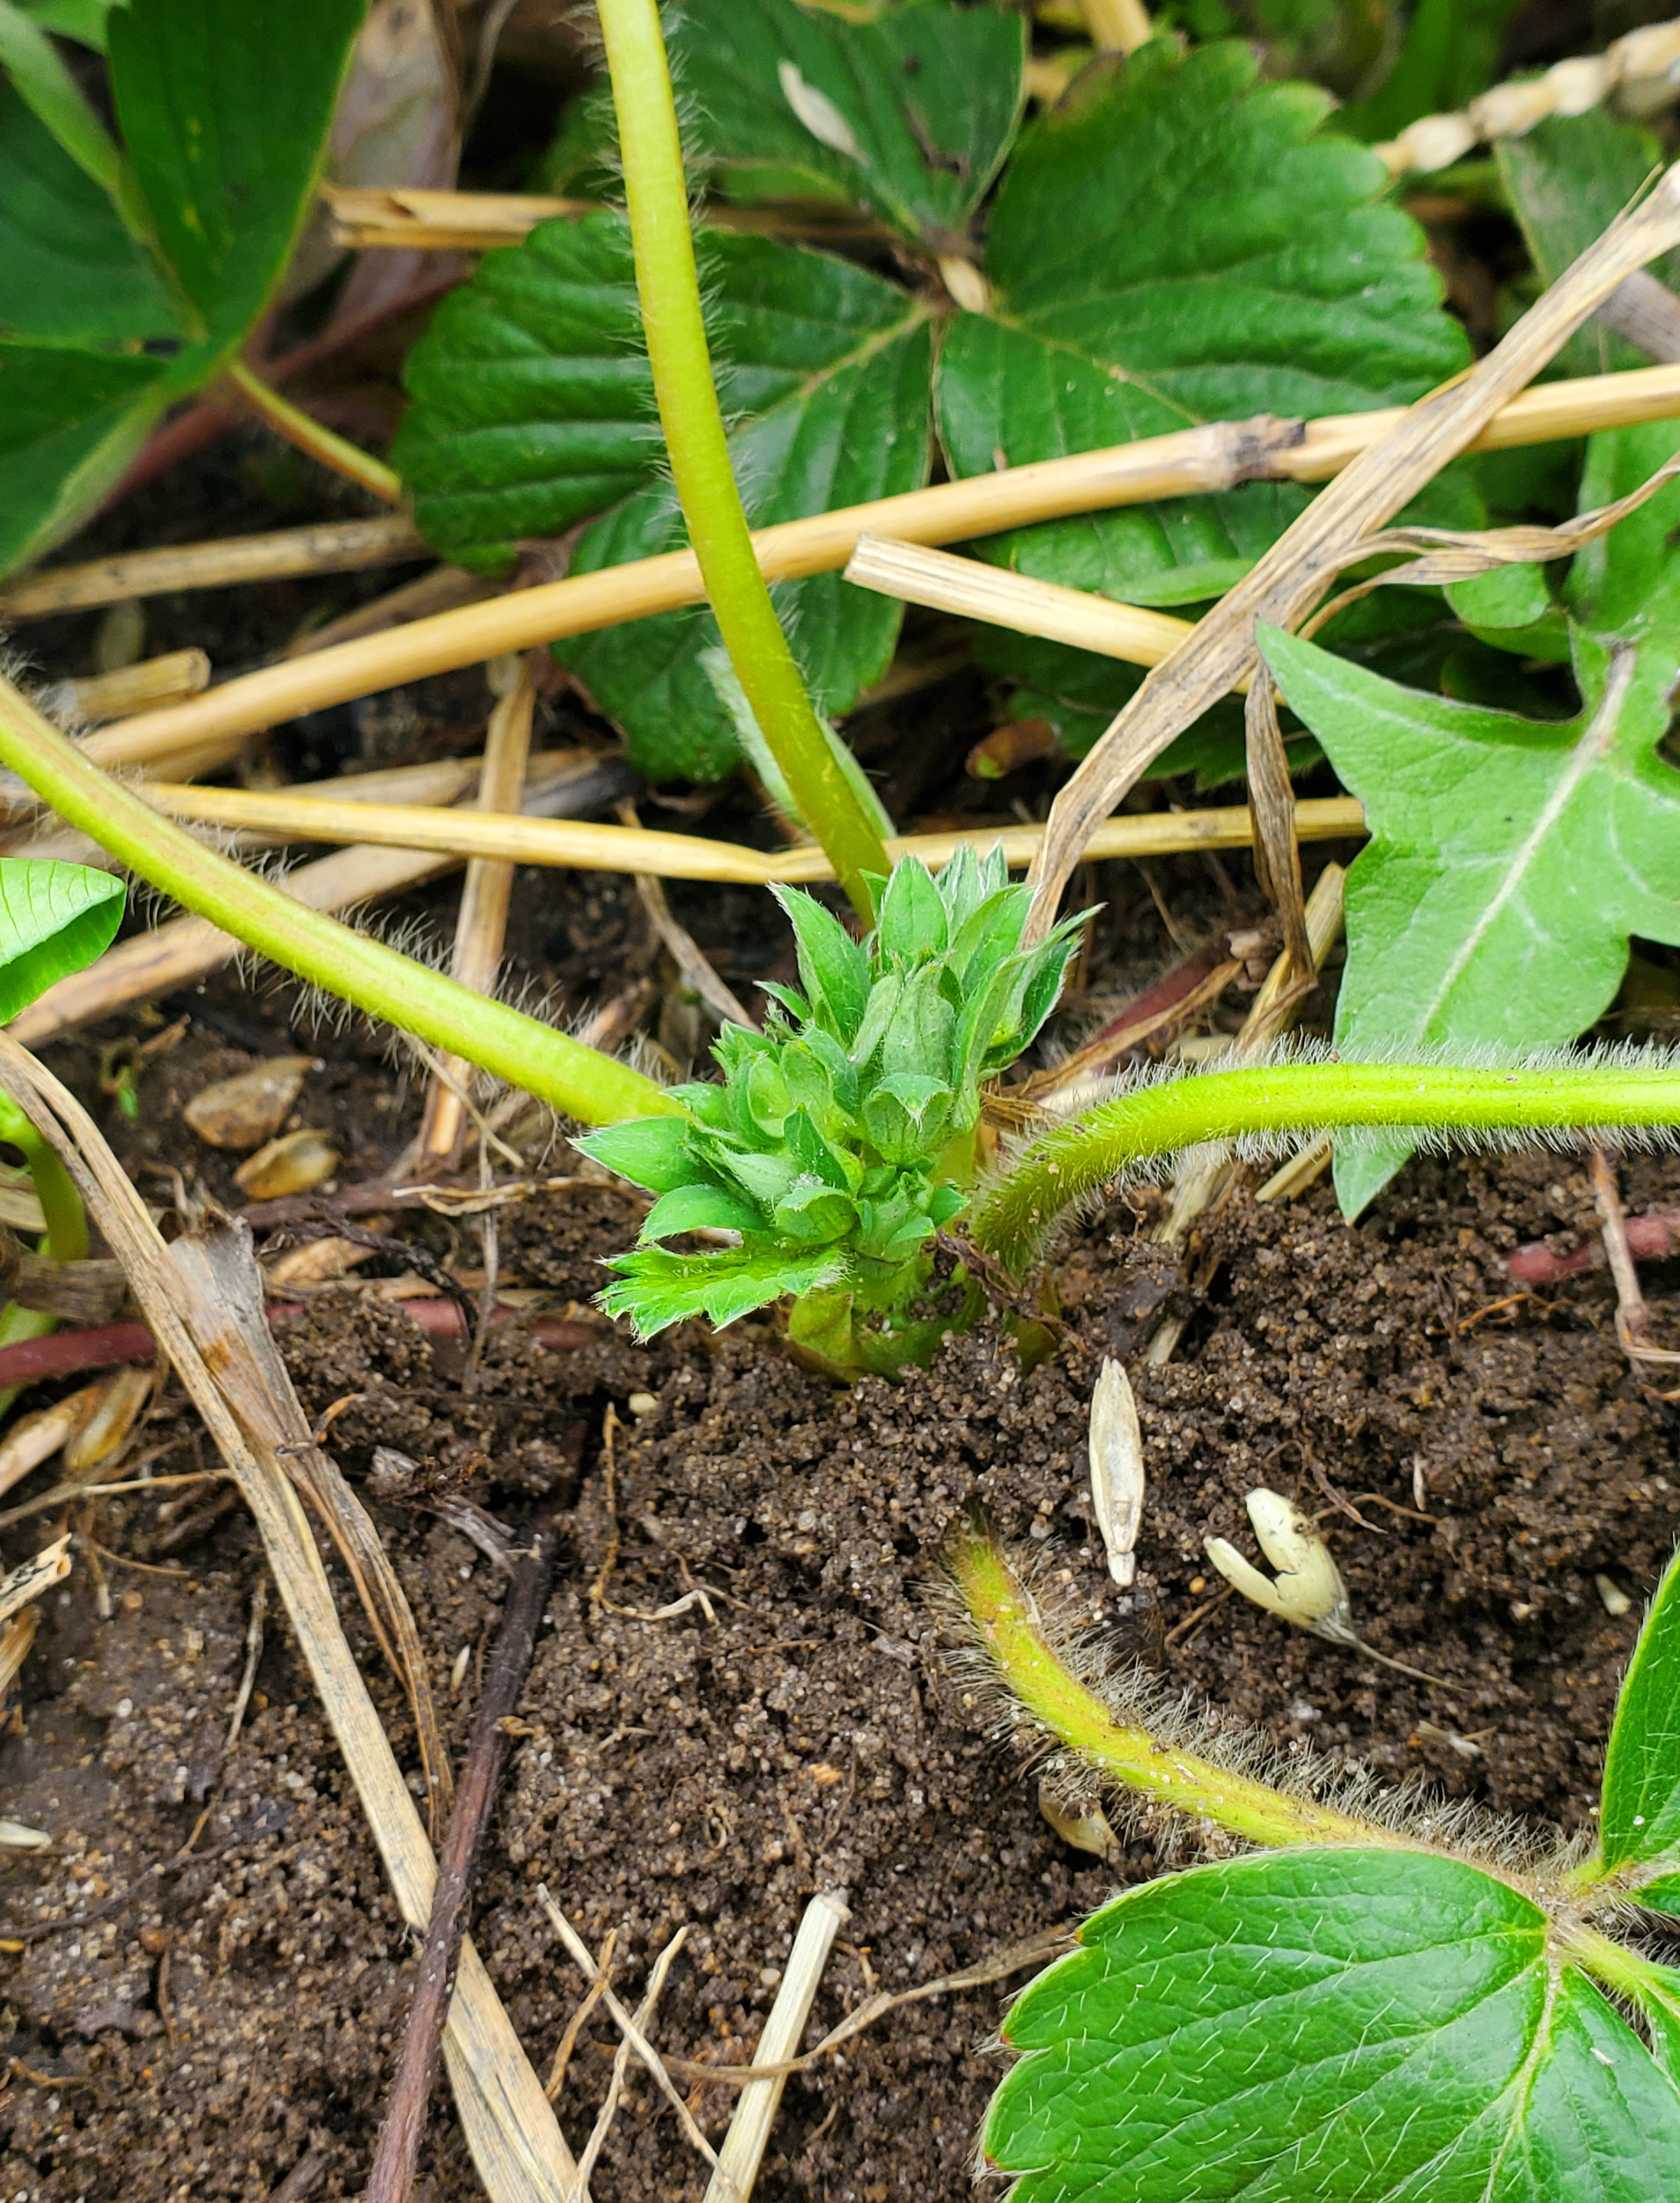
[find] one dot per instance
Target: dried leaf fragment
(243, 1111)
(296, 1164)
(1116, 1467)
(50, 1566)
(817, 112)
(118, 1403)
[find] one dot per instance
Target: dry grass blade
(509, 2125)
(50, 1566)
(233, 1334)
(326, 547)
(1190, 462)
(120, 695)
(644, 2012)
(481, 922)
(1296, 572)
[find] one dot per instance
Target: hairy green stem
(1006, 1619)
(1624, 1972)
(675, 329)
(1079, 1159)
(580, 1081)
(313, 438)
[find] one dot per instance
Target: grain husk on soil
(238, 2015)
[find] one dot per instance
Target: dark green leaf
(225, 109)
(1355, 2026)
(1173, 244)
(697, 1208)
(69, 272)
(1509, 859)
(1451, 53)
(70, 423)
(649, 1151)
(1639, 1815)
(908, 113)
(656, 1289)
(40, 78)
(84, 21)
(54, 919)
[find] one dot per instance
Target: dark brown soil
(712, 1771)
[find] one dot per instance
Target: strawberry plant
(132, 268)
(1175, 243)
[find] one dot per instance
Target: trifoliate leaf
(225, 109)
(656, 1289)
(533, 409)
(1639, 1815)
(907, 112)
(1509, 860)
(1361, 2026)
(54, 919)
(1173, 244)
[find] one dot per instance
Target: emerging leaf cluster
(840, 1138)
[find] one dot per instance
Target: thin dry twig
(644, 2012)
(1632, 1313)
(1217, 456)
(395, 2158)
(131, 688)
(481, 922)
(252, 1655)
(1288, 582)
(507, 2120)
(26, 1582)
(575, 2025)
(749, 2131)
(627, 2027)
(325, 547)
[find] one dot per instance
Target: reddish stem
(1652, 1236)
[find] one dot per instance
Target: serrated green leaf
(1568, 179)
(71, 420)
(1173, 244)
(41, 78)
(224, 110)
(1356, 2026)
(910, 922)
(649, 1151)
(69, 272)
(656, 1289)
(697, 1208)
(1639, 1813)
(833, 967)
(908, 114)
(1509, 859)
(54, 919)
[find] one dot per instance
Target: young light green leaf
(656, 1289)
(1171, 244)
(44, 85)
(84, 21)
(907, 112)
(699, 1208)
(1509, 860)
(71, 421)
(225, 109)
(69, 272)
(649, 1151)
(834, 969)
(54, 919)
(1639, 1814)
(1358, 2026)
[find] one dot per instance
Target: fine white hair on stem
(1135, 1698)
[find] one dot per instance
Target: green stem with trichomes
(1076, 1159)
(673, 328)
(580, 1081)
(66, 1221)
(1006, 1619)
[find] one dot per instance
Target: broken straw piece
(1308, 1590)
(1117, 1469)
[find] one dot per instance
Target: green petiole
(580, 1081)
(1006, 1620)
(675, 330)
(1075, 1160)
